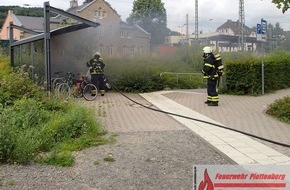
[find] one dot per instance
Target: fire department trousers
(212, 95)
(98, 80)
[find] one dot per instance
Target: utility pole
(196, 20)
(241, 25)
(187, 32)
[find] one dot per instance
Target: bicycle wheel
(90, 92)
(63, 91)
(76, 91)
(55, 83)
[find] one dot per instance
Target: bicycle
(83, 88)
(63, 90)
(56, 81)
(77, 88)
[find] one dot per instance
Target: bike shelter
(64, 49)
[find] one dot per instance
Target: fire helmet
(207, 49)
(98, 54)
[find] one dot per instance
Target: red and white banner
(241, 177)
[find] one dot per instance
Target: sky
(211, 13)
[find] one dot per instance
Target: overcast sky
(212, 13)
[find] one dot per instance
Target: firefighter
(97, 65)
(210, 73)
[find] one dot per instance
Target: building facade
(224, 39)
(112, 37)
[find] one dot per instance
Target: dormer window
(100, 13)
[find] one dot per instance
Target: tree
(284, 4)
(151, 16)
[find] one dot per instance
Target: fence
(177, 75)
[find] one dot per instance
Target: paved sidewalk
(244, 113)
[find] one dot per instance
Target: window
(132, 48)
(104, 15)
(110, 30)
(124, 50)
(101, 49)
(110, 49)
(8, 33)
(122, 34)
(100, 13)
(99, 31)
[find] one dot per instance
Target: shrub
(244, 76)
(280, 109)
(143, 74)
(32, 123)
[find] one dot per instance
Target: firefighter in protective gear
(210, 73)
(96, 66)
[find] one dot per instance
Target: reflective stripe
(221, 67)
(93, 92)
(209, 65)
(213, 98)
(217, 57)
(207, 77)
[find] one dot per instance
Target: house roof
(33, 23)
(127, 26)
(234, 26)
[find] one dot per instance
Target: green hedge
(244, 76)
(142, 74)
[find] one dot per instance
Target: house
(29, 22)
(231, 30)
(225, 38)
(114, 36)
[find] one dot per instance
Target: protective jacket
(96, 66)
(209, 70)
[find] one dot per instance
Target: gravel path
(152, 151)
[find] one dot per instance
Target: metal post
(11, 40)
(263, 82)
(196, 21)
(47, 47)
(20, 56)
(32, 61)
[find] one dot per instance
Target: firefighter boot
(213, 104)
(93, 92)
(102, 92)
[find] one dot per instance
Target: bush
(244, 76)
(29, 127)
(280, 109)
(32, 123)
(143, 74)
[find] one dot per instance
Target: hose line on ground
(207, 122)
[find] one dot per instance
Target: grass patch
(63, 159)
(280, 109)
(37, 128)
(109, 158)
